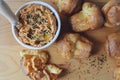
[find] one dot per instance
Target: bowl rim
(57, 31)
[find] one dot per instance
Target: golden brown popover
(112, 13)
(113, 45)
(89, 18)
(74, 46)
(67, 6)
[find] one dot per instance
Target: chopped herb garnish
(28, 21)
(29, 16)
(37, 42)
(49, 27)
(37, 15)
(31, 31)
(34, 25)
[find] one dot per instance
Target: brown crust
(113, 45)
(111, 11)
(107, 6)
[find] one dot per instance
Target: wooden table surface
(10, 59)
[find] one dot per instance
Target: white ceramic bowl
(56, 34)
